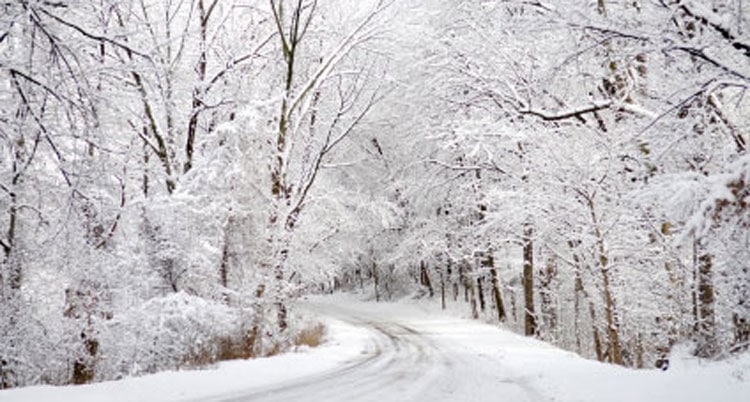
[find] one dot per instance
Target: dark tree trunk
(513, 305)
(453, 282)
(480, 292)
(489, 262)
(425, 278)
(741, 333)
(225, 253)
(528, 282)
(197, 101)
(144, 179)
(375, 280)
(442, 289)
(464, 281)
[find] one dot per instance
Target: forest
(174, 174)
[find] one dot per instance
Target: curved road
(407, 358)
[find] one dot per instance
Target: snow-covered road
(411, 352)
(404, 359)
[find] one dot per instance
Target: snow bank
(225, 379)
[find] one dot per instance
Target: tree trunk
(224, 266)
(577, 312)
(480, 291)
(489, 262)
(741, 316)
(425, 278)
(253, 337)
(160, 149)
(10, 259)
(84, 304)
(598, 347)
(225, 255)
(469, 289)
(581, 291)
(577, 290)
(528, 282)
(144, 178)
(197, 101)
(15, 272)
(741, 333)
(281, 245)
(375, 279)
(705, 319)
(464, 281)
(613, 331)
(442, 289)
(472, 294)
(454, 283)
(513, 305)
(548, 308)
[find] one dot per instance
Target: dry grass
(311, 335)
(244, 347)
(225, 348)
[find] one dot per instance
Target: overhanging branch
(567, 114)
(95, 37)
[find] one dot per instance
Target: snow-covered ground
(402, 352)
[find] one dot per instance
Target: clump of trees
(581, 173)
(157, 158)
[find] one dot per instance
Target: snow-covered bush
(171, 332)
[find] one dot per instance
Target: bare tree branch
(115, 223)
(472, 168)
(701, 54)
(95, 37)
(723, 31)
(234, 63)
(577, 112)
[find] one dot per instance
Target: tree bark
(613, 331)
(454, 283)
(581, 291)
(464, 281)
(548, 308)
(528, 282)
(705, 320)
(225, 255)
(10, 260)
(480, 291)
(145, 178)
(198, 90)
(469, 289)
(489, 262)
(425, 278)
(375, 280)
(442, 289)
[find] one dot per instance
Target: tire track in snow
(399, 363)
(395, 360)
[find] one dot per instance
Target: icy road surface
(405, 358)
(409, 352)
